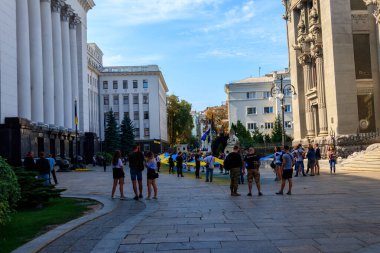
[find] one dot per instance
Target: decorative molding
(87, 4)
(376, 13)
(66, 12)
(56, 5)
(74, 21)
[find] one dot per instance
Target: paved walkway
(327, 213)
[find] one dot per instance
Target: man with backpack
(287, 171)
(136, 166)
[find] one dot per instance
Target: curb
(40, 242)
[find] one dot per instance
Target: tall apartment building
(137, 92)
(250, 101)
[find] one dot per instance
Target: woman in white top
(278, 162)
(118, 174)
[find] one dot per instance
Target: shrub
(33, 191)
(108, 156)
(9, 191)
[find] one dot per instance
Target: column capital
(56, 5)
(66, 12)
(74, 21)
(304, 59)
(370, 2)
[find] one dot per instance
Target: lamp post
(279, 92)
(76, 132)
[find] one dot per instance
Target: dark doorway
(71, 149)
(52, 147)
(62, 148)
(40, 144)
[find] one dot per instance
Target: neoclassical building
(43, 70)
(334, 65)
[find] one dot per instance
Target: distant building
(138, 92)
(250, 101)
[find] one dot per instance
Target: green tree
(180, 121)
(127, 137)
(244, 136)
(257, 136)
(277, 130)
(193, 143)
(111, 133)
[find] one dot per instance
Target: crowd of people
(43, 166)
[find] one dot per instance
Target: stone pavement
(327, 213)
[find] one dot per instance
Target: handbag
(156, 175)
(272, 165)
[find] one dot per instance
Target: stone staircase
(369, 159)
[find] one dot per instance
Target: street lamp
(279, 92)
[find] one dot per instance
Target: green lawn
(26, 225)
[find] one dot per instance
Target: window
(126, 115)
(146, 132)
(145, 84)
(88, 78)
(137, 132)
(136, 99)
(136, 115)
(288, 124)
(266, 94)
(362, 56)
(106, 100)
(251, 95)
(135, 84)
(269, 125)
(116, 114)
(105, 85)
(145, 99)
(288, 108)
(268, 109)
(288, 92)
(358, 5)
(251, 126)
(116, 100)
(146, 115)
(125, 84)
(114, 85)
(126, 100)
(251, 110)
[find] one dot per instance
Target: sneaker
(235, 194)
(260, 194)
(122, 198)
(112, 197)
(147, 198)
(289, 193)
(155, 197)
(136, 198)
(140, 196)
(279, 193)
(249, 194)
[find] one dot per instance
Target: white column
(57, 63)
(36, 70)
(66, 12)
(23, 60)
(74, 21)
(141, 115)
(48, 68)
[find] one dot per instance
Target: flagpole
(76, 134)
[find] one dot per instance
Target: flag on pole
(76, 114)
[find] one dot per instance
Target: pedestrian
(94, 161)
(278, 163)
(43, 167)
(221, 157)
(210, 161)
(52, 169)
(252, 161)
(179, 161)
(226, 171)
(171, 164)
(158, 161)
(331, 154)
(318, 157)
(311, 158)
(136, 167)
(117, 174)
(197, 165)
(299, 160)
(287, 171)
(152, 175)
(29, 164)
(233, 163)
(104, 161)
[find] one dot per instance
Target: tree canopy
(111, 133)
(127, 137)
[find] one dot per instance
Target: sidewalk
(327, 213)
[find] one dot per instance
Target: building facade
(43, 68)
(250, 101)
(334, 65)
(137, 92)
(95, 65)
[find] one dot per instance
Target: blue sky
(200, 45)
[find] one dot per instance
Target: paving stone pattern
(326, 213)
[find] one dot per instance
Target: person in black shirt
(136, 165)
(171, 164)
(234, 162)
(29, 164)
(318, 156)
(43, 167)
(197, 165)
(253, 164)
(179, 161)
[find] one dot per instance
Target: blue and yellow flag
(76, 114)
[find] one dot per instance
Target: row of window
(266, 109)
(106, 100)
(135, 84)
(267, 125)
(136, 115)
(265, 94)
(92, 80)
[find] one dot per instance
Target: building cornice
(87, 4)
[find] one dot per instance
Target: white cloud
(136, 12)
